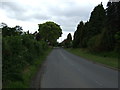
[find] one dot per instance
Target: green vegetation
(101, 32)
(108, 59)
(67, 42)
(100, 35)
(50, 32)
(29, 72)
(22, 52)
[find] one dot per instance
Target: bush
(19, 52)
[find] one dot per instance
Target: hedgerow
(19, 51)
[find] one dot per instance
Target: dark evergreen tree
(78, 35)
(69, 37)
(97, 20)
(68, 41)
(113, 21)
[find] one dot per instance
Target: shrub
(19, 52)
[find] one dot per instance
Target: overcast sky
(30, 13)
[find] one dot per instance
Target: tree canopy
(78, 35)
(11, 31)
(101, 31)
(50, 32)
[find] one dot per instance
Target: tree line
(20, 49)
(101, 32)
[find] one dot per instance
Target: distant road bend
(65, 70)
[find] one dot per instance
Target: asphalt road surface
(65, 70)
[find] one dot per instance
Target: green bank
(109, 59)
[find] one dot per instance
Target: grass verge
(29, 72)
(107, 58)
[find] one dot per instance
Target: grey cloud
(12, 6)
(68, 24)
(21, 12)
(70, 15)
(71, 10)
(69, 29)
(39, 16)
(30, 17)
(67, 14)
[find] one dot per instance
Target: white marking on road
(99, 83)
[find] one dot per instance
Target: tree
(113, 21)
(78, 35)
(117, 37)
(100, 42)
(3, 24)
(86, 35)
(50, 32)
(69, 37)
(68, 41)
(18, 52)
(11, 31)
(97, 20)
(103, 39)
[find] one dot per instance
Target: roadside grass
(29, 72)
(109, 59)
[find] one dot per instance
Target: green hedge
(19, 52)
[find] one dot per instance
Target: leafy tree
(50, 32)
(11, 31)
(18, 52)
(38, 36)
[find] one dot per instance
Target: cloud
(29, 13)
(45, 11)
(69, 10)
(12, 6)
(23, 13)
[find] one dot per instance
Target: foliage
(100, 33)
(19, 51)
(117, 37)
(50, 32)
(11, 31)
(69, 37)
(113, 20)
(101, 42)
(97, 20)
(78, 35)
(68, 42)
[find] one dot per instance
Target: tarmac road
(65, 70)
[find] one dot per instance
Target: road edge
(95, 62)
